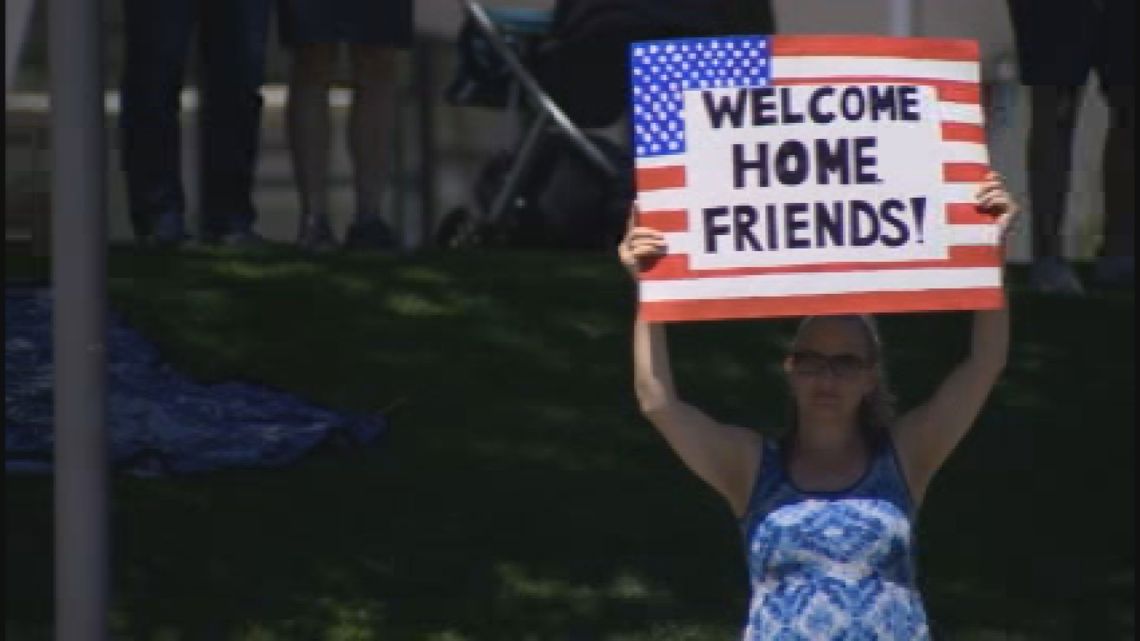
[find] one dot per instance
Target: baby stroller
(553, 186)
(557, 72)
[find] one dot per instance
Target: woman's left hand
(994, 199)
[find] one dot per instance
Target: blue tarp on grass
(159, 421)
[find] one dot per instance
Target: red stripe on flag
(854, 303)
(917, 48)
(654, 178)
(963, 92)
(966, 214)
(962, 132)
(964, 172)
(665, 220)
(948, 90)
(677, 266)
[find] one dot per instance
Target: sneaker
(1053, 275)
(1114, 271)
(370, 233)
(315, 233)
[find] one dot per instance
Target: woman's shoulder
(771, 457)
(889, 473)
(765, 481)
(773, 443)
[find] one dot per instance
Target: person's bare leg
(1054, 116)
(307, 115)
(370, 126)
(1119, 175)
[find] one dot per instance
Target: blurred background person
(1058, 44)
(232, 38)
(373, 31)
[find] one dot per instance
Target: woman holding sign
(827, 511)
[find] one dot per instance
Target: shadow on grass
(519, 495)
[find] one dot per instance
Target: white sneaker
(1054, 276)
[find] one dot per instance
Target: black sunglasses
(841, 365)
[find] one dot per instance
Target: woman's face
(831, 370)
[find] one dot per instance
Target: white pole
(17, 15)
(78, 265)
(903, 18)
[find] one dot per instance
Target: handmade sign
(797, 175)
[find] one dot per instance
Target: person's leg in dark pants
(1118, 261)
(157, 37)
(1116, 264)
(1056, 45)
(1054, 118)
(233, 66)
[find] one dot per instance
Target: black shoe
(370, 233)
(244, 239)
(169, 232)
(1052, 275)
(315, 233)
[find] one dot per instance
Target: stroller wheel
(450, 232)
(459, 229)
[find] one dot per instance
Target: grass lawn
(520, 496)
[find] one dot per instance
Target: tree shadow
(519, 495)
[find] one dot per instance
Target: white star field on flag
(663, 69)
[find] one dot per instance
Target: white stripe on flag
(683, 242)
(965, 152)
(971, 235)
(666, 199)
(960, 192)
(679, 199)
(658, 161)
(961, 112)
(955, 151)
(773, 285)
(837, 66)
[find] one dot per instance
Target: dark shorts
(1060, 41)
(372, 22)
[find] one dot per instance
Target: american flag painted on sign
(969, 277)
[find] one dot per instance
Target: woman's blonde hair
(877, 409)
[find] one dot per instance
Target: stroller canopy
(584, 65)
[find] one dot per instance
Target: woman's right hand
(640, 243)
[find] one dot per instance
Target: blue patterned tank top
(832, 565)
